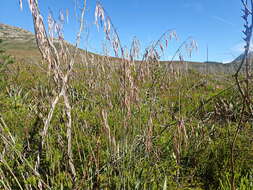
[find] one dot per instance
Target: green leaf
(165, 183)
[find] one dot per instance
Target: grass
(143, 155)
(126, 124)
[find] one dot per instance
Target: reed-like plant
(244, 85)
(57, 59)
(100, 122)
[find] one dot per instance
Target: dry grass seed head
(135, 49)
(109, 29)
(21, 5)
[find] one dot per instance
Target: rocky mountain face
(16, 38)
(19, 43)
(22, 44)
(14, 33)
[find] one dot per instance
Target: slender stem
(244, 93)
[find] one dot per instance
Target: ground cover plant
(82, 121)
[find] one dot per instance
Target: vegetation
(126, 124)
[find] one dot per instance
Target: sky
(213, 23)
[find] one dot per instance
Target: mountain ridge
(240, 57)
(22, 45)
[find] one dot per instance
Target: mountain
(237, 61)
(19, 43)
(240, 57)
(22, 45)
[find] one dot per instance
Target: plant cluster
(96, 122)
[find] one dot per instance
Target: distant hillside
(19, 43)
(236, 62)
(22, 45)
(240, 57)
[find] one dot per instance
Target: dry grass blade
(154, 52)
(107, 130)
(129, 89)
(149, 136)
(52, 56)
(109, 29)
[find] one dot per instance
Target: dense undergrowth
(87, 122)
(178, 135)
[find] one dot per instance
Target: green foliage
(204, 158)
(245, 182)
(5, 59)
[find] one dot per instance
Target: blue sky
(213, 22)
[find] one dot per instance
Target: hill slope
(19, 43)
(240, 57)
(22, 45)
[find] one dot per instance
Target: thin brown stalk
(244, 92)
(125, 70)
(107, 130)
(52, 56)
